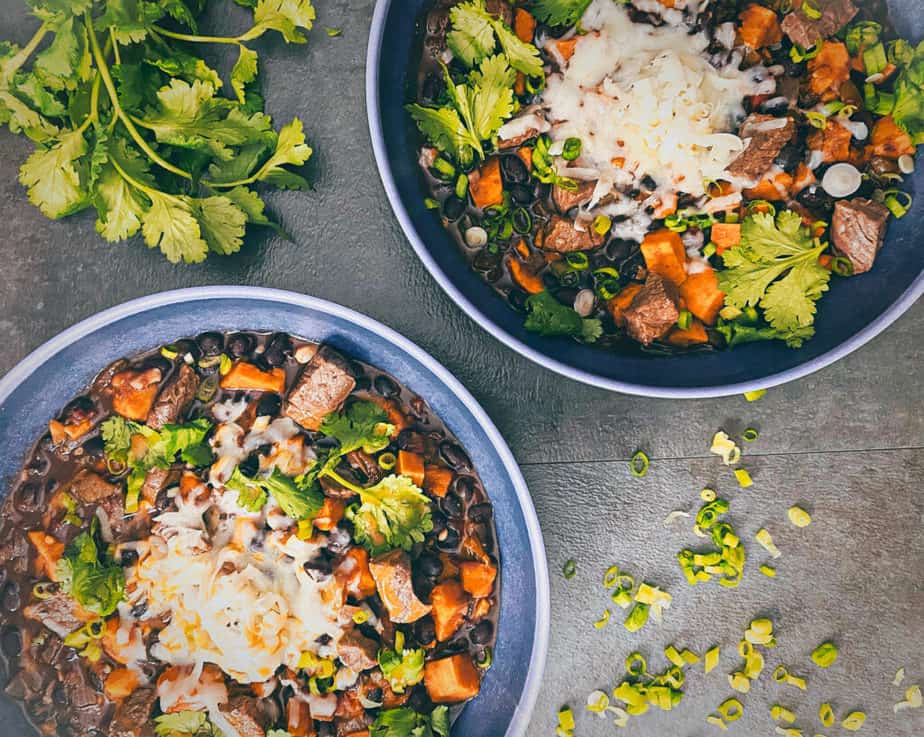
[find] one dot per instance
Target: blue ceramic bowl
(853, 312)
(46, 380)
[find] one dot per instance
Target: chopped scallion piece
(913, 699)
(754, 665)
(811, 10)
(169, 352)
(766, 541)
(899, 677)
(685, 320)
(789, 731)
(826, 714)
(709, 250)
(611, 577)
(601, 623)
(799, 517)
(572, 149)
(731, 710)
(744, 478)
(724, 446)
(768, 571)
(898, 202)
(689, 657)
(753, 396)
(637, 617)
(673, 655)
(740, 682)
(566, 718)
(824, 655)
(639, 464)
(361, 616)
(597, 702)
(853, 721)
(782, 714)
(602, 224)
(707, 495)
(431, 204)
(570, 568)
(333, 32)
(716, 722)
(750, 435)
(577, 260)
(387, 461)
(636, 665)
(711, 659)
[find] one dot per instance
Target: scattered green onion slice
(766, 541)
(799, 517)
(899, 677)
(789, 731)
(388, 461)
(597, 702)
(750, 435)
(707, 495)
(811, 10)
(639, 464)
(673, 655)
(711, 659)
(637, 617)
(824, 655)
(611, 577)
(601, 623)
(754, 395)
(689, 657)
(577, 260)
(572, 149)
(853, 721)
(740, 682)
(710, 250)
(716, 722)
(724, 446)
(842, 266)
(782, 714)
(570, 568)
(485, 658)
(780, 674)
(898, 202)
(431, 204)
(744, 478)
(522, 220)
(169, 352)
(361, 616)
(731, 710)
(566, 718)
(913, 699)
(754, 665)
(636, 665)
(826, 714)
(685, 320)
(602, 224)
(768, 571)
(44, 590)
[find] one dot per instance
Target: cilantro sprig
(405, 722)
(89, 576)
(776, 268)
(560, 12)
(127, 121)
(549, 317)
(475, 35)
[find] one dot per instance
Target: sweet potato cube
(702, 295)
(48, 550)
(452, 680)
(120, 684)
(890, 141)
(358, 576)
(450, 604)
(133, 393)
(665, 255)
(725, 235)
(694, 335)
(478, 578)
(247, 377)
(485, 184)
(620, 303)
(760, 27)
(411, 465)
(332, 511)
(525, 25)
(437, 480)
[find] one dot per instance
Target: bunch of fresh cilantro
(89, 576)
(405, 722)
(128, 120)
(560, 12)
(481, 99)
(776, 268)
(547, 316)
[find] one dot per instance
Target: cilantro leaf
(117, 434)
(492, 101)
(56, 11)
(52, 178)
(776, 267)
(547, 316)
(65, 63)
(299, 499)
(909, 95)
(361, 425)
(250, 203)
(392, 514)
(560, 12)
(250, 495)
(402, 669)
(88, 575)
(405, 722)
(736, 333)
(472, 39)
(130, 20)
(285, 16)
(170, 225)
(222, 223)
(185, 441)
(185, 724)
(524, 57)
(244, 72)
(444, 129)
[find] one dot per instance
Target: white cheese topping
(646, 100)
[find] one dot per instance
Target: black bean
(277, 350)
(789, 157)
(521, 194)
(482, 632)
(649, 183)
(432, 88)
(319, 568)
(29, 497)
(429, 565)
(439, 522)
(486, 259)
(59, 694)
(515, 171)
(481, 512)
(250, 465)
(423, 586)
(211, 344)
(11, 642)
(363, 384)
(425, 631)
(11, 598)
(495, 274)
(386, 386)
(453, 209)
(269, 404)
(452, 505)
(240, 344)
(792, 68)
(411, 440)
(448, 539)
(454, 456)
(517, 299)
(816, 200)
(128, 558)
(464, 486)
(775, 106)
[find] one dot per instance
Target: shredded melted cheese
(646, 100)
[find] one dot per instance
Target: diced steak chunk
(562, 236)
(174, 398)
(565, 199)
(156, 480)
(322, 387)
(247, 716)
(392, 574)
(858, 230)
(835, 14)
(357, 652)
(90, 488)
(767, 135)
(133, 715)
(653, 311)
(59, 613)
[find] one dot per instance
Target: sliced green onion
(636, 665)
(485, 658)
(577, 260)
(799, 54)
(724, 446)
(206, 390)
(768, 571)
(361, 616)
(799, 517)
(602, 224)
(566, 718)
(899, 677)
(898, 202)
(637, 618)
(780, 674)
(744, 478)
(622, 597)
(811, 10)
(443, 169)
(731, 710)
(44, 590)
(597, 702)
(842, 266)
(753, 396)
(388, 461)
(570, 568)
(790, 732)
(707, 495)
(711, 659)
(766, 541)
(611, 577)
(689, 657)
(739, 682)
(750, 435)
(673, 655)
(913, 699)
(169, 352)
(685, 319)
(522, 220)
(754, 665)
(601, 623)
(826, 714)
(853, 721)
(716, 722)
(571, 149)
(709, 250)
(639, 464)
(874, 59)
(431, 204)
(782, 714)
(461, 190)
(824, 655)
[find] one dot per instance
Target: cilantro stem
(115, 46)
(120, 113)
(93, 117)
(342, 481)
(197, 39)
(15, 62)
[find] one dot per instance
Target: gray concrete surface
(847, 443)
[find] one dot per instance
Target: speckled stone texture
(846, 443)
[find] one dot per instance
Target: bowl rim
(541, 633)
(373, 112)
